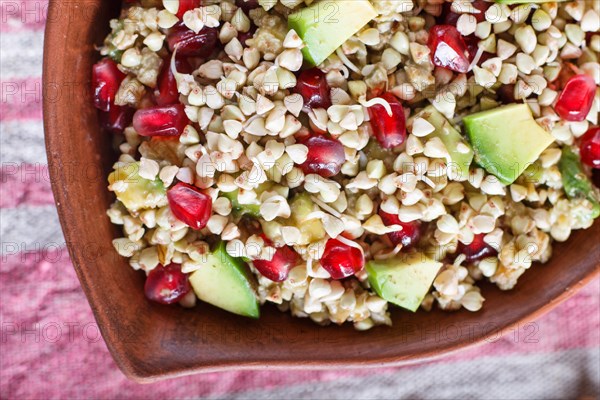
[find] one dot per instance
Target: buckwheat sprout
(380, 101)
(346, 61)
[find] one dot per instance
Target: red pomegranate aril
(589, 148)
(278, 268)
(447, 17)
(117, 119)
(314, 89)
(166, 88)
(576, 99)
(408, 236)
(482, 6)
(166, 284)
(243, 36)
(106, 79)
(448, 48)
(567, 71)
(189, 43)
(189, 205)
(472, 43)
(247, 5)
(506, 94)
(596, 177)
(160, 120)
(341, 260)
(477, 250)
(183, 65)
(390, 130)
(186, 5)
(325, 156)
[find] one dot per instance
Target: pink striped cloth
(51, 347)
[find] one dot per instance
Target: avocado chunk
(458, 147)
(134, 191)
(252, 210)
(576, 183)
(373, 150)
(403, 280)
(533, 173)
(506, 140)
(327, 24)
(242, 209)
(226, 282)
(311, 230)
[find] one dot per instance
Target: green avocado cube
(253, 209)
(134, 191)
(326, 25)
(458, 147)
(311, 230)
(226, 282)
(241, 209)
(403, 280)
(506, 140)
(576, 183)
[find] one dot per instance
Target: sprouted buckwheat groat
(339, 157)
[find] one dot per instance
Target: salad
(337, 158)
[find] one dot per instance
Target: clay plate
(150, 341)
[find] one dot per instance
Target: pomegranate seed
(189, 43)
(482, 6)
(448, 48)
(166, 88)
(341, 260)
(314, 89)
(325, 156)
(189, 205)
(390, 131)
(166, 285)
(596, 177)
(247, 5)
(243, 36)
(117, 119)
(410, 233)
(506, 94)
(567, 71)
(590, 147)
(575, 100)
(106, 79)
(447, 16)
(378, 90)
(278, 268)
(472, 43)
(477, 250)
(160, 120)
(186, 5)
